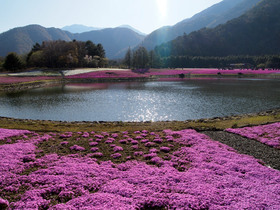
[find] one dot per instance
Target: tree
(35, 48)
(141, 58)
(128, 58)
(36, 59)
(155, 61)
(13, 62)
(1, 62)
(62, 54)
(100, 51)
(91, 49)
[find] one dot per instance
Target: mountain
(133, 29)
(213, 16)
(78, 28)
(21, 40)
(114, 40)
(257, 32)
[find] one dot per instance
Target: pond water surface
(143, 101)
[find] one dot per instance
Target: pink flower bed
(200, 174)
(5, 133)
(267, 134)
(7, 80)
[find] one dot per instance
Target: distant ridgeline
(249, 41)
(211, 17)
(114, 40)
(255, 33)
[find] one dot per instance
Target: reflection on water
(143, 101)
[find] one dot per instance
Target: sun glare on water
(162, 8)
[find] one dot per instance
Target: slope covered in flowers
(131, 170)
(267, 134)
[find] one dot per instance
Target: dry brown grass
(204, 124)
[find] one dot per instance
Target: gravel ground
(270, 156)
(82, 71)
(66, 72)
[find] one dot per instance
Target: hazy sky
(144, 15)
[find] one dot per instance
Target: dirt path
(267, 154)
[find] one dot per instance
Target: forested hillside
(217, 14)
(257, 32)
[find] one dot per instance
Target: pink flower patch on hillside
(118, 148)
(6, 133)
(64, 143)
(97, 154)
(94, 149)
(93, 143)
(116, 155)
(77, 148)
(267, 134)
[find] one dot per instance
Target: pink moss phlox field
(117, 149)
(267, 134)
(116, 155)
(7, 80)
(94, 149)
(3, 203)
(6, 133)
(201, 174)
(64, 143)
(93, 143)
(77, 148)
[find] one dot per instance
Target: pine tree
(13, 62)
(128, 58)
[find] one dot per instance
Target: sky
(144, 15)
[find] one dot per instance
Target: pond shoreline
(210, 124)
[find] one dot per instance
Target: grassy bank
(219, 123)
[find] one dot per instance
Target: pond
(143, 101)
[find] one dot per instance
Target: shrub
(13, 62)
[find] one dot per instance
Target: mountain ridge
(257, 32)
(211, 17)
(22, 39)
(79, 28)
